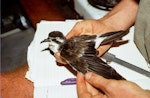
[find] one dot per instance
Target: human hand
(95, 86)
(91, 27)
(88, 27)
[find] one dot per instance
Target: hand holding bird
(88, 27)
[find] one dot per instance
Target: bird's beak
(45, 49)
(45, 40)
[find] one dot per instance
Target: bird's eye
(53, 39)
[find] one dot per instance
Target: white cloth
(43, 71)
(47, 75)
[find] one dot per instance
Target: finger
(93, 91)
(97, 81)
(81, 87)
(103, 49)
(59, 59)
(72, 33)
(81, 84)
(76, 30)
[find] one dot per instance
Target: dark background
(15, 37)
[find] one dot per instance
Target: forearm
(122, 16)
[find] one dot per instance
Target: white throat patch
(54, 46)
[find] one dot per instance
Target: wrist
(147, 94)
(123, 15)
(111, 24)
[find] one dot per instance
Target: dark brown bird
(81, 54)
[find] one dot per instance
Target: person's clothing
(142, 29)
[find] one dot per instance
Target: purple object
(69, 81)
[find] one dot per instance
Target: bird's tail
(113, 36)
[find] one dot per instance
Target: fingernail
(88, 75)
(81, 74)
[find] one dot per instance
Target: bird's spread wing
(94, 64)
(82, 56)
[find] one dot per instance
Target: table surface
(15, 85)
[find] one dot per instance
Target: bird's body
(81, 54)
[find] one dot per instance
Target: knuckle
(111, 85)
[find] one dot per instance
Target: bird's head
(55, 40)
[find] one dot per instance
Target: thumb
(104, 48)
(72, 33)
(96, 81)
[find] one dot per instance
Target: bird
(80, 52)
